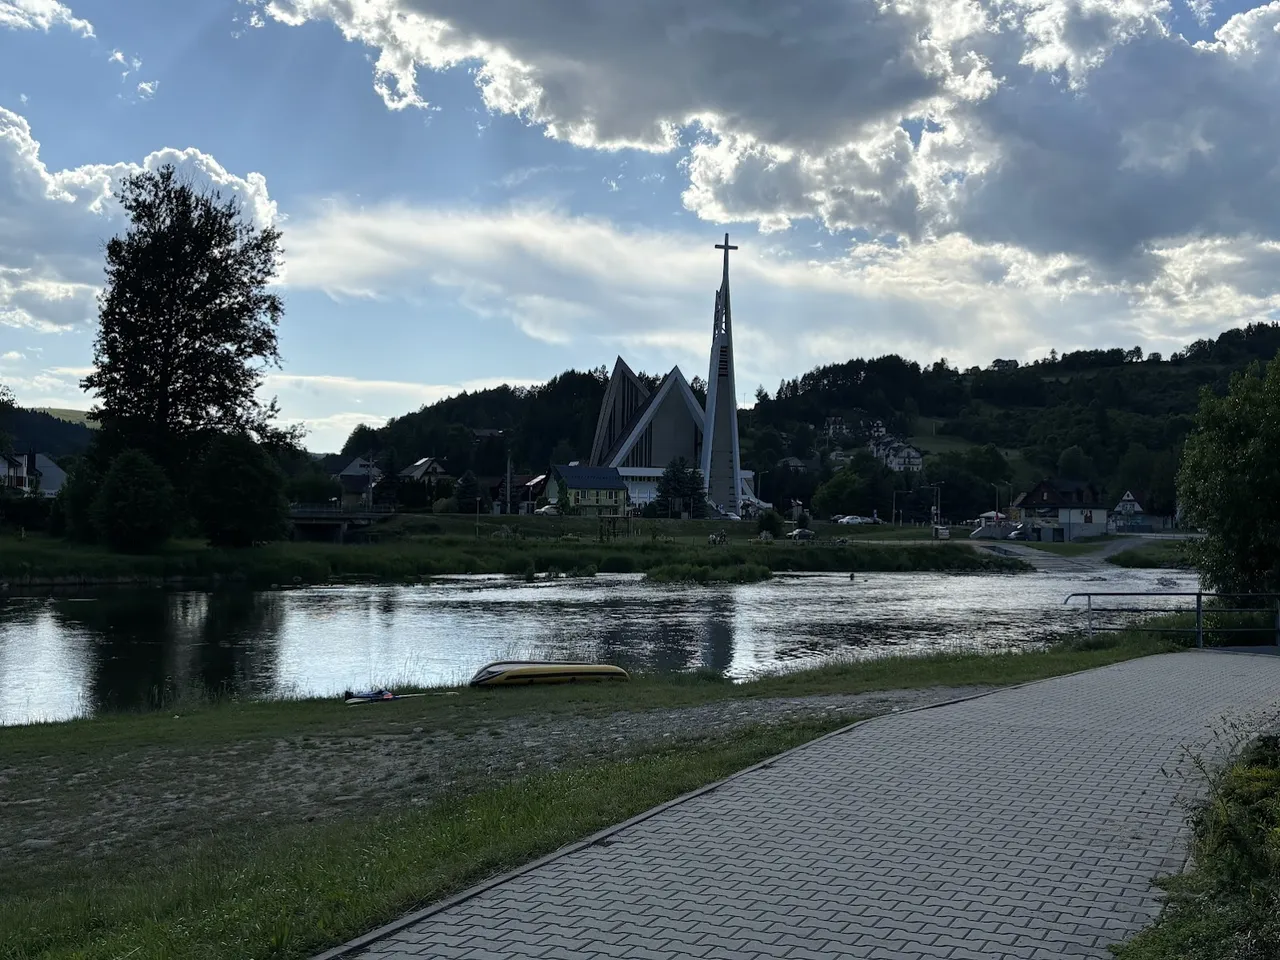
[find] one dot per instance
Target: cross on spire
(726, 247)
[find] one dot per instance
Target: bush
(26, 512)
(802, 521)
(76, 499)
(770, 521)
(313, 488)
(133, 511)
(238, 495)
(618, 563)
(445, 505)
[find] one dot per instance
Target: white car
(853, 520)
(550, 510)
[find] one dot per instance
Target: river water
(76, 655)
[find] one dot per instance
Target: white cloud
(148, 90)
(1079, 128)
(41, 15)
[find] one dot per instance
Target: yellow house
(592, 491)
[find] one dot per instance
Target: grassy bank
(407, 556)
(269, 882)
(687, 573)
(1226, 906)
(1156, 555)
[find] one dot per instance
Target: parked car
(550, 510)
(851, 520)
(1019, 533)
(802, 533)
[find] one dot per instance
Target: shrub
(802, 521)
(445, 505)
(238, 495)
(770, 521)
(618, 563)
(133, 511)
(76, 497)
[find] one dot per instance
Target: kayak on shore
(510, 673)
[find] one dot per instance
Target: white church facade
(639, 432)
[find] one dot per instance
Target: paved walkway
(1025, 824)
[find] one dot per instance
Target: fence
(1272, 602)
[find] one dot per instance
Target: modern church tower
(721, 460)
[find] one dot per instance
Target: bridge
(333, 520)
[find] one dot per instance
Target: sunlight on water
(63, 657)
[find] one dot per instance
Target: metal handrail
(1198, 630)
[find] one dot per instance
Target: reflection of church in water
(640, 432)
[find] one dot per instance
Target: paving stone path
(1024, 824)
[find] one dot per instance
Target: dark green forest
(1114, 417)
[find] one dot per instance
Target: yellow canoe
(510, 673)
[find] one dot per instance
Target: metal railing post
(1090, 599)
(1199, 619)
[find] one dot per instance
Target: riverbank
(289, 826)
(39, 561)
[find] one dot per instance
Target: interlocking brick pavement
(1024, 824)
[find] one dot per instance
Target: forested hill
(1115, 405)
(42, 432)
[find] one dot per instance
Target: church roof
(577, 477)
(673, 381)
(615, 394)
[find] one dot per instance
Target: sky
(478, 193)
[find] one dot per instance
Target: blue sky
(478, 193)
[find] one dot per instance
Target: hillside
(1125, 412)
(42, 431)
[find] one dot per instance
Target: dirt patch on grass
(144, 800)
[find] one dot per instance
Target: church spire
(721, 460)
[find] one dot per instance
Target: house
(793, 463)
(426, 470)
(592, 491)
(358, 478)
(1062, 510)
(835, 427)
(896, 455)
(32, 473)
(525, 491)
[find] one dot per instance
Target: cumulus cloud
(54, 223)
(147, 90)
(41, 15)
(1082, 128)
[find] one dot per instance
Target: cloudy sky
(478, 192)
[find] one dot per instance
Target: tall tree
(1228, 481)
(238, 495)
(6, 404)
(186, 324)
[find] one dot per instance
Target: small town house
(32, 473)
(1061, 510)
(592, 491)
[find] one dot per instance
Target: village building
(1059, 511)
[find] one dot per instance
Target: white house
(896, 455)
(33, 473)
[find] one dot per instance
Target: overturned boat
(511, 673)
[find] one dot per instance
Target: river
(70, 656)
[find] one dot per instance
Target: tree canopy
(1229, 480)
(238, 494)
(681, 488)
(186, 323)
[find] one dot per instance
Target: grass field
(251, 886)
(413, 547)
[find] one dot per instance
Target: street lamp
(996, 519)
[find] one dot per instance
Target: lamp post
(893, 510)
(477, 516)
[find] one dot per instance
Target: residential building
(32, 473)
(835, 427)
(895, 454)
(592, 491)
(358, 478)
(1061, 510)
(425, 470)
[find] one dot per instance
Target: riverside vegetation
(424, 546)
(290, 826)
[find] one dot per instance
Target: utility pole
(477, 516)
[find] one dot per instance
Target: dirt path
(149, 799)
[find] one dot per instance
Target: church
(640, 431)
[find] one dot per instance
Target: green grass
(71, 416)
(407, 556)
(1227, 905)
(290, 893)
(1155, 554)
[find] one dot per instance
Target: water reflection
(63, 657)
